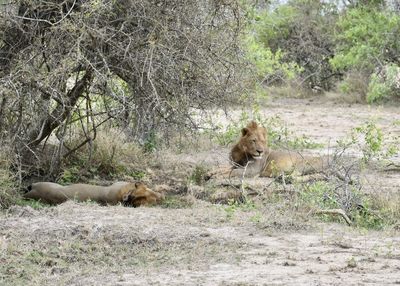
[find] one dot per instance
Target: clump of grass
(176, 202)
(234, 205)
(198, 175)
(9, 194)
(365, 211)
(111, 155)
(37, 205)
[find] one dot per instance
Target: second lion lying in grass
(251, 157)
(133, 194)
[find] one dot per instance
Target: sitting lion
(133, 194)
(251, 157)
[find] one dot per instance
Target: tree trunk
(59, 114)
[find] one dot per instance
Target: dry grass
(117, 245)
(8, 182)
(110, 156)
(289, 91)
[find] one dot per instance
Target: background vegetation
(321, 45)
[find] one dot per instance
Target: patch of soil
(79, 244)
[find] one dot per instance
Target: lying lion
(251, 157)
(133, 194)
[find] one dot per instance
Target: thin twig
(335, 212)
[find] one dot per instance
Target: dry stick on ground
(335, 212)
(240, 187)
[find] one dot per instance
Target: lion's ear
(138, 184)
(253, 125)
(245, 131)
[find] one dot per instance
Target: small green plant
(151, 143)
(234, 205)
(69, 175)
(37, 205)
(175, 202)
(320, 195)
(198, 175)
(256, 218)
(373, 143)
(137, 175)
(365, 211)
(352, 263)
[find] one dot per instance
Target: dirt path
(206, 244)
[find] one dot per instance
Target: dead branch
(335, 212)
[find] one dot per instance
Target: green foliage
(373, 138)
(269, 63)
(293, 40)
(137, 175)
(361, 208)
(69, 175)
(151, 143)
(198, 175)
(37, 205)
(175, 202)
(377, 90)
(320, 195)
(234, 205)
(382, 86)
(367, 37)
(373, 142)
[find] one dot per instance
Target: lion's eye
(254, 140)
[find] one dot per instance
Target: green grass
(37, 205)
(365, 211)
(175, 202)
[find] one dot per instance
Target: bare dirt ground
(204, 243)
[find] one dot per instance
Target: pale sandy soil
(91, 245)
(206, 244)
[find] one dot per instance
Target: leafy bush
(373, 142)
(270, 64)
(366, 211)
(385, 84)
(367, 37)
(295, 39)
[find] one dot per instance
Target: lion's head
(137, 194)
(252, 144)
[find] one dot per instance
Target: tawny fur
(252, 156)
(135, 194)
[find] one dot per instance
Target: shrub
(385, 84)
(295, 39)
(367, 43)
(367, 37)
